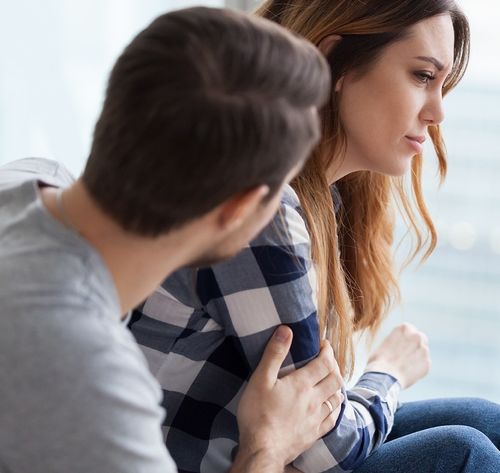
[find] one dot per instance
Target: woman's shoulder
(289, 198)
(285, 236)
(287, 227)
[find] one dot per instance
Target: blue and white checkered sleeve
(268, 283)
(272, 282)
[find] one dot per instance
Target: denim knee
(462, 437)
(468, 450)
(442, 449)
(487, 418)
(483, 406)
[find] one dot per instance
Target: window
(55, 60)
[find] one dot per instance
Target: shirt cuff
(384, 384)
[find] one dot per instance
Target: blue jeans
(441, 436)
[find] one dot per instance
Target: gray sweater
(76, 394)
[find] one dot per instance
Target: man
(207, 115)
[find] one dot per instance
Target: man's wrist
(256, 460)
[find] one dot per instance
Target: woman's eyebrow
(439, 65)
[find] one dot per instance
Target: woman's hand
(280, 418)
(403, 354)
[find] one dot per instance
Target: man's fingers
(332, 405)
(319, 368)
(329, 385)
(336, 412)
(330, 418)
(275, 353)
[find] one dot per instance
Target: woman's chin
(401, 167)
(397, 165)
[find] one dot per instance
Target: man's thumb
(275, 353)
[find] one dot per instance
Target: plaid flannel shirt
(204, 331)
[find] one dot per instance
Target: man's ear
(238, 208)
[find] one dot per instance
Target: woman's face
(386, 111)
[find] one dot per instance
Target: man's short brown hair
(202, 104)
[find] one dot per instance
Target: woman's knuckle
(406, 327)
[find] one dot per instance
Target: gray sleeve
(79, 399)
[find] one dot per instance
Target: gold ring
(329, 405)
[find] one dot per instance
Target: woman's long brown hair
(352, 250)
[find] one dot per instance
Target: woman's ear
(325, 46)
(327, 43)
(339, 84)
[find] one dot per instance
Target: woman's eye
(424, 77)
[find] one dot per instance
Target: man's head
(204, 107)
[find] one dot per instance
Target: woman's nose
(433, 111)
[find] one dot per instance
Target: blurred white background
(54, 59)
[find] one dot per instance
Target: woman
(324, 266)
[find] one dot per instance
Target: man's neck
(137, 264)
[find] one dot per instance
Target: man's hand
(281, 418)
(404, 354)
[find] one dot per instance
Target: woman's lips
(416, 142)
